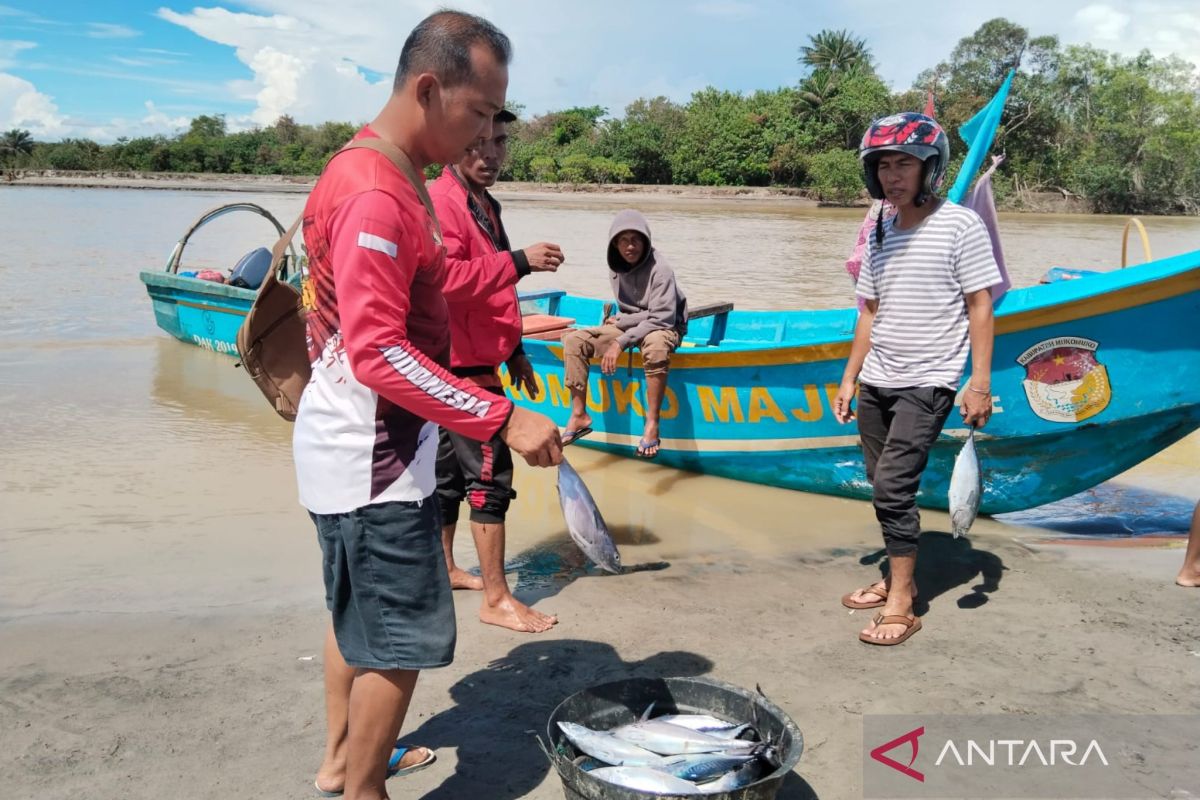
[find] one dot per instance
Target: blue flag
(978, 133)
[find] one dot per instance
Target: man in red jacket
(482, 271)
(365, 441)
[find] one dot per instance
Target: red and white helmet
(906, 132)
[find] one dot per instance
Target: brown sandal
(913, 623)
(873, 589)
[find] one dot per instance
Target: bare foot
(1189, 577)
(511, 613)
(461, 579)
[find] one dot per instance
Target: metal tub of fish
(757, 723)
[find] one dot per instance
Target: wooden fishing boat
(204, 312)
(1090, 377)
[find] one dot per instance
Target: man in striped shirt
(925, 284)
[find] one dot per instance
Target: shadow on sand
(499, 709)
(946, 563)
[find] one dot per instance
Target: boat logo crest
(1064, 380)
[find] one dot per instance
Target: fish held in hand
(584, 522)
(966, 487)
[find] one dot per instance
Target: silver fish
(584, 522)
(644, 779)
(966, 487)
(672, 740)
(697, 722)
(604, 746)
(705, 766)
(744, 775)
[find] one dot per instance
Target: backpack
(272, 341)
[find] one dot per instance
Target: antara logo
(911, 738)
(1020, 752)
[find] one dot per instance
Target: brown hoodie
(647, 296)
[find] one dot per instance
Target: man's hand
(544, 257)
(534, 437)
(520, 373)
(842, 411)
(608, 361)
(976, 407)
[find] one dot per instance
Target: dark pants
(479, 472)
(898, 428)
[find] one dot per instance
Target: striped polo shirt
(919, 276)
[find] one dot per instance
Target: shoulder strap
(403, 163)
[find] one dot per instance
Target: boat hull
(1089, 378)
(203, 313)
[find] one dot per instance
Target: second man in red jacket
(482, 271)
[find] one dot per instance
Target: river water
(137, 472)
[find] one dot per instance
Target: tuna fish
(608, 748)
(671, 740)
(966, 486)
(584, 522)
(744, 775)
(644, 779)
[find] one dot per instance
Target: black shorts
(387, 587)
(479, 472)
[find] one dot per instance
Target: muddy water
(137, 472)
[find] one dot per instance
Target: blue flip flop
(571, 436)
(394, 770)
(643, 446)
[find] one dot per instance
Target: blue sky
(111, 68)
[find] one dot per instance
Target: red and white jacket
(481, 278)
(379, 338)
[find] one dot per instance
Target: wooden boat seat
(545, 326)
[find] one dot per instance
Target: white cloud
(107, 30)
(308, 59)
(1102, 23)
(9, 49)
(23, 106)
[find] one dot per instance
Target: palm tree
(15, 143)
(836, 52)
(816, 90)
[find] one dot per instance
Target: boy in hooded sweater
(651, 314)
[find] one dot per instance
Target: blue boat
(1090, 377)
(203, 312)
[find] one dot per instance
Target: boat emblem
(210, 324)
(1064, 380)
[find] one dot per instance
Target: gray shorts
(387, 587)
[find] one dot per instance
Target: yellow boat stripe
(730, 445)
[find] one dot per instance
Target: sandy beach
(227, 703)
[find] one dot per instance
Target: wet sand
(161, 614)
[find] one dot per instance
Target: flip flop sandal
(912, 623)
(848, 602)
(393, 768)
(882, 591)
(571, 436)
(643, 446)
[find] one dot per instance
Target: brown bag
(272, 341)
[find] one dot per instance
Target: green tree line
(1121, 132)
